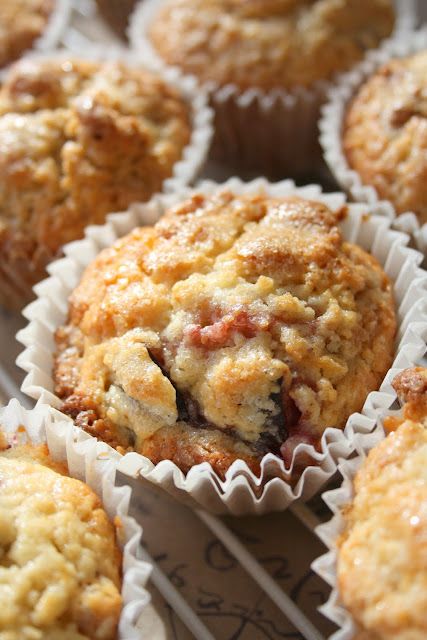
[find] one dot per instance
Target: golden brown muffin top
(268, 43)
(245, 322)
(382, 561)
(79, 140)
(59, 561)
(21, 23)
(385, 133)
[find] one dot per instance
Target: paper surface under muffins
(274, 132)
(87, 460)
(339, 500)
(331, 123)
(241, 491)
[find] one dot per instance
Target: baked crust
(21, 23)
(382, 560)
(385, 133)
(268, 43)
(79, 140)
(237, 325)
(60, 574)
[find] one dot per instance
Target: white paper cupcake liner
(274, 133)
(331, 124)
(241, 491)
(57, 24)
(337, 499)
(92, 462)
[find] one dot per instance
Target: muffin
(266, 64)
(238, 325)
(385, 133)
(268, 44)
(382, 559)
(79, 139)
(60, 567)
(21, 23)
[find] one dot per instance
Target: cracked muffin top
(60, 575)
(268, 43)
(237, 325)
(385, 133)
(79, 140)
(21, 23)
(382, 560)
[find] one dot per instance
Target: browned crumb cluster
(382, 559)
(79, 140)
(237, 325)
(268, 43)
(60, 574)
(21, 23)
(385, 133)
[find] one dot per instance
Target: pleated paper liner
(241, 492)
(95, 463)
(18, 272)
(272, 133)
(337, 499)
(331, 124)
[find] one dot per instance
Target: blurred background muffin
(21, 23)
(384, 133)
(268, 44)
(236, 326)
(79, 139)
(266, 64)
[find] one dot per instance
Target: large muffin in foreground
(236, 326)
(268, 43)
(385, 133)
(60, 567)
(21, 23)
(79, 140)
(382, 557)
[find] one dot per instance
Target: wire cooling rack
(213, 578)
